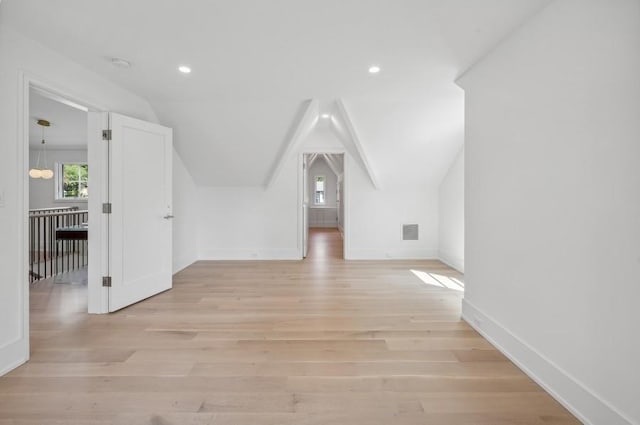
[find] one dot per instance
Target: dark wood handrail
(62, 214)
(40, 211)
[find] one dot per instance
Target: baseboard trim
(13, 355)
(178, 266)
(361, 254)
(12, 366)
(582, 402)
(452, 261)
(251, 255)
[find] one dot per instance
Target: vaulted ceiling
(256, 62)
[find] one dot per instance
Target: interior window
(72, 181)
(319, 192)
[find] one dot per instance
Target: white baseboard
(587, 406)
(452, 261)
(181, 264)
(365, 254)
(13, 355)
(11, 366)
(249, 255)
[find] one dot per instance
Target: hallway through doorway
(325, 244)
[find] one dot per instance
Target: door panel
(140, 222)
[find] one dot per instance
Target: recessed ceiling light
(120, 63)
(325, 116)
(374, 69)
(184, 69)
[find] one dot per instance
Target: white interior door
(140, 193)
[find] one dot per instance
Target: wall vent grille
(409, 232)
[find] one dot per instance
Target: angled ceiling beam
(301, 127)
(312, 159)
(338, 160)
(329, 160)
(355, 140)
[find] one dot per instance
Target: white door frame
(97, 296)
(346, 245)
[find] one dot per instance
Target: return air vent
(409, 232)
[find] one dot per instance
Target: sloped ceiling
(255, 62)
(68, 125)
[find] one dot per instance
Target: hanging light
(45, 172)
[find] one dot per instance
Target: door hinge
(106, 208)
(106, 134)
(106, 281)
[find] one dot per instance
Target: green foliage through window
(75, 179)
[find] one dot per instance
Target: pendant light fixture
(45, 172)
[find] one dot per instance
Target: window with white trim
(72, 181)
(319, 190)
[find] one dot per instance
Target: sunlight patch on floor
(439, 280)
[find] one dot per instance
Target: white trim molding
(250, 255)
(585, 404)
(342, 125)
(303, 124)
(452, 261)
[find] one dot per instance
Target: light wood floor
(314, 342)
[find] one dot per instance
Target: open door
(140, 204)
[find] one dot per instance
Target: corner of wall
(452, 261)
(581, 401)
(185, 225)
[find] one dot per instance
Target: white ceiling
(254, 63)
(68, 125)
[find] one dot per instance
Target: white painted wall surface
(323, 217)
(377, 216)
(240, 223)
(553, 203)
(17, 55)
(451, 206)
(41, 191)
(185, 211)
(251, 222)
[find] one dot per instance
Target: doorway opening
(58, 194)
(325, 244)
(323, 205)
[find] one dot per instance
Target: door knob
(168, 217)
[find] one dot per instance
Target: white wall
(243, 223)
(251, 222)
(185, 205)
(18, 55)
(41, 191)
(553, 203)
(451, 207)
(376, 217)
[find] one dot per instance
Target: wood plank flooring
(314, 342)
